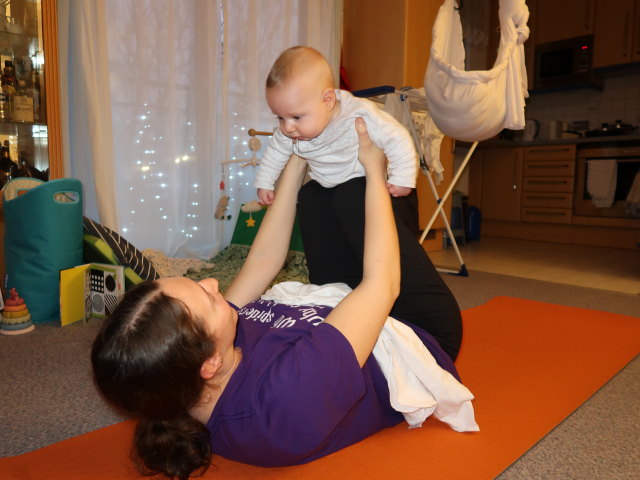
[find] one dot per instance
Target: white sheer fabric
(476, 105)
(161, 92)
(85, 104)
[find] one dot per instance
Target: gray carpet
(46, 394)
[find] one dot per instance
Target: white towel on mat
(418, 386)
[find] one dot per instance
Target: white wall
(620, 100)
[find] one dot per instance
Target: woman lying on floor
(253, 380)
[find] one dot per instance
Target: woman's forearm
(360, 316)
(381, 251)
(271, 245)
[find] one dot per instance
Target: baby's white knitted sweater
(333, 155)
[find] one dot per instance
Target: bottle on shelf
(9, 74)
(8, 85)
(35, 95)
(6, 91)
(22, 105)
(5, 106)
(8, 168)
(19, 69)
(24, 168)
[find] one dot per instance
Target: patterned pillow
(125, 253)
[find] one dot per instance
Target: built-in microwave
(565, 64)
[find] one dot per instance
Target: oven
(604, 177)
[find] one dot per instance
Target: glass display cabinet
(30, 123)
(29, 104)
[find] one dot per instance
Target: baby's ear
(329, 98)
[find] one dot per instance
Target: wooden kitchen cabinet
(547, 184)
(617, 33)
(528, 193)
(566, 19)
(501, 183)
(387, 44)
(636, 33)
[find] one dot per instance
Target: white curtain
(159, 93)
(85, 105)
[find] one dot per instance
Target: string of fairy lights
(151, 182)
(153, 175)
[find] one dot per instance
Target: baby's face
(302, 110)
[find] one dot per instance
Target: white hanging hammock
(476, 105)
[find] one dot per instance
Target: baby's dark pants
(332, 226)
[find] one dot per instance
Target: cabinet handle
(547, 182)
(544, 197)
(557, 214)
(554, 165)
(547, 150)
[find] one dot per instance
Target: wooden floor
(594, 267)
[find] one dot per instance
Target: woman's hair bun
(175, 448)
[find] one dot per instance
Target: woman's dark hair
(146, 363)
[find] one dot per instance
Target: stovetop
(612, 129)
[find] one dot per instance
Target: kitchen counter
(610, 141)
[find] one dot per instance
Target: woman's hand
(370, 156)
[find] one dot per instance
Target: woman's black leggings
(332, 227)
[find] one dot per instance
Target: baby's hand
(397, 191)
(266, 196)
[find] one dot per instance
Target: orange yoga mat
(529, 364)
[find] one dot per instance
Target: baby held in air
(316, 122)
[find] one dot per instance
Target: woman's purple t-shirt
(299, 394)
